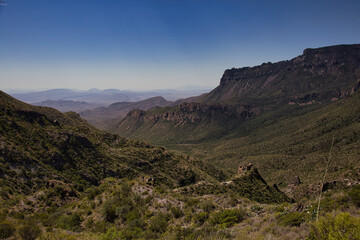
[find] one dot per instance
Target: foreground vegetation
(124, 209)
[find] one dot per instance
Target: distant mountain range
(96, 97)
(102, 117)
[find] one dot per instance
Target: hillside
(119, 110)
(282, 116)
(187, 122)
(292, 141)
(45, 140)
(58, 172)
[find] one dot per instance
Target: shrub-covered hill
(293, 141)
(56, 171)
(41, 144)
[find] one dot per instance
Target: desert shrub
(89, 222)
(4, 193)
(256, 208)
(100, 226)
(228, 217)
(354, 195)
(125, 188)
(134, 219)
(132, 233)
(176, 212)
(328, 204)
(182, 232)
(6, 230)
(70, 222)
(29, 231)
(92, 192)
(60, 191)
(43, 218)
(192, 202)
(280, 208)
(159, 223)
(123, 211)
(201, 218)
(109, 212)
(293, 219)
(112, 234)
(342, 226)
(207, 206)
(159, 189)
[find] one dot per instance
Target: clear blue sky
(152, 44)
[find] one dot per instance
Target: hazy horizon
(188, 88)
(157, 44)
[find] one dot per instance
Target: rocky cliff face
(187, 121)
(191, 113)
(321, 74)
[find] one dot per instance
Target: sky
(159, 44)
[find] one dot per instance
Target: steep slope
(39, 144)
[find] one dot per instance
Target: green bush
(176, 212)
(342, 226)
(256, 208)
(201, 218)
(159, 223)
(328, 204)
(112, 234)
(6, 230)
(207, 206)
(228, 217)
(109, 212)
(29, 231)
(293, 219)
(354, 195)
(192, 202)
(92, 192)
(70, 222)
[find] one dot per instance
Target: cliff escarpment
(201, 121)
(318, 75)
